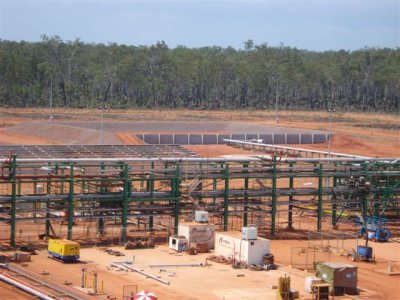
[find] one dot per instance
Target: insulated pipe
(24, 287)
(138, 159)
(294, 149)
(243, 158)
(124, 266)
(176, 265)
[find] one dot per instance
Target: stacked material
(5, 258)
(22, 257)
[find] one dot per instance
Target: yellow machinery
(64, 250)
(283, 292)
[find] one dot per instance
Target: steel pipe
(25, 287)
(176, 265)
(123, 265)
(294, 149)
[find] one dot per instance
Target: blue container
(365, 252)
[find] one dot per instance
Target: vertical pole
(246, 188)
(62, 181)
(13, 200)
(290, 208)
(71, 202)
(215, 187)
(19, 188)
(151, 187)
(100, 226)
(48, 191)
(226, 197)
(51, 97)
(35, 205)
(176, 196)
(125, 197)
(320, 187)
(83, 277)
(103, 189)
(334, 204)
(274, 198)
(142, 180)
(95, 282)
(364, 205)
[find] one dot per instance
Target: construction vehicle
(374, 228)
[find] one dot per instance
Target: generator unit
(64, 250)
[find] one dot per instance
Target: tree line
(78, 74)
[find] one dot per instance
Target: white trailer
(231, 244)
(198, 233)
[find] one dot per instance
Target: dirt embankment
(357, 133)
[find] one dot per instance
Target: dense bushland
(78, 74)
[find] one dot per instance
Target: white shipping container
(198, 233)
(231, 244)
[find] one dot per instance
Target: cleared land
(357, 133)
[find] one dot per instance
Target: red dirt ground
(355, 133)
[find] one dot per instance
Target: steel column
(334, 205)
(290, 206)
(13, 171)
(246, 187)
(320, 187)
(125, 198)
(274, 197)
(71, 202)
(150, 187)
(226, 197)
(176, 195)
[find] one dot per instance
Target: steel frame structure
(248, 188)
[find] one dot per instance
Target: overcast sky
(306, 24)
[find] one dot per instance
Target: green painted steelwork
(334, 199)
(246, 198)
(274, 197)
(71, 203)
(176, 194)
(226, 197)
(319, 208)
(94, 190)
(125, 199)
(13, 200)
(290, 206)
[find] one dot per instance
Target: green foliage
(78, 74)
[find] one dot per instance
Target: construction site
(197, 209)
